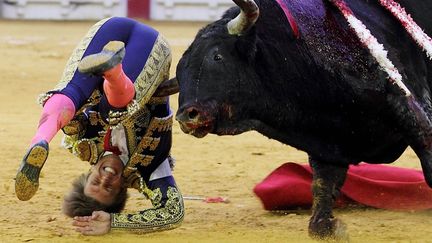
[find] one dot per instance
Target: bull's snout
(195, 120)
(189, 115)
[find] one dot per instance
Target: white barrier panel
(196, 10)
(62, 9)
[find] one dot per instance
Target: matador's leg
(118, 88)
(56, 113)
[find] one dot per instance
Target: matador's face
(105, 180)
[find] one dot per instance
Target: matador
(115, 114)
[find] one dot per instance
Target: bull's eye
(217, 57)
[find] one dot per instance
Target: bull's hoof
(96, 64)
(27, 178)
(332, 230)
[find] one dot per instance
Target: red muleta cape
(379, 186)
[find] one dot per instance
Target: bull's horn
(246, 19)
(168, 87)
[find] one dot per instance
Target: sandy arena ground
(33, 55)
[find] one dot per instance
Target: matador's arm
(167, 212)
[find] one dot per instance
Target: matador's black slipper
(27, 178)
(96, 64)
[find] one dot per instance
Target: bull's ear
(168, 87)
(246, 45)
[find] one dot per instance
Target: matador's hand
(97, 224)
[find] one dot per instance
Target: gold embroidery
(94, 99)
(128, 170)
(77, 126)
(145, 159)
(154, 143)
(154, 219)
(86, 150)
(68, 142)
(130, 133)
(77, 55)
(74, 127)
(141, 159)
(148, 142)
(155, 71)
(156, 124)
(116, 117)
(136, 124)
(159, 124)
(149, 194)
(141, 119)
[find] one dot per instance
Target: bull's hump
(329, 39)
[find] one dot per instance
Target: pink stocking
(118, 88)
(56, 113)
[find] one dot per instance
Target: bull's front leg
(327, 182)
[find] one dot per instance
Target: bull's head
(216, 75)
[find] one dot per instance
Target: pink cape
(379, 186)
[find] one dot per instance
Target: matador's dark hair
(76, 203)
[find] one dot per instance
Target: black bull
(320, 91)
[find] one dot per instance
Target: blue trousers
(139, 40)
